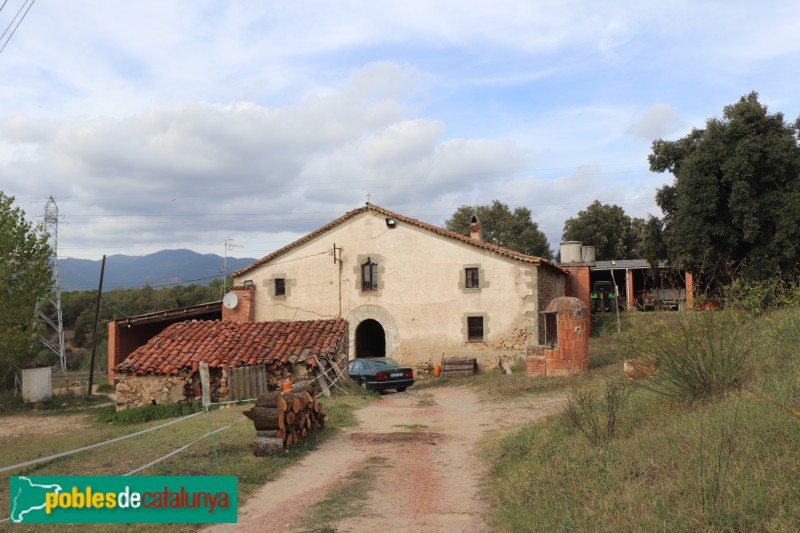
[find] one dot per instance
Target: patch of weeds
(344, 502)
(340, 410)
(57, 404)
(426, 400)
(147, 413)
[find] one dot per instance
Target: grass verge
(723, 464)
(233, 447)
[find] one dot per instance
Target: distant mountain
(162, 268)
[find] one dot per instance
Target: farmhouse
(408, 289)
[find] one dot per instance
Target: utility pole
(54, 319)
(616, 294)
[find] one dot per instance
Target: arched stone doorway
(385, 321)
(370, 339)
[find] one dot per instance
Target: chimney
(475, 229)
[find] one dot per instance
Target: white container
(36, 384)
(571, 253)
(587, 256)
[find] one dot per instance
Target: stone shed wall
(138, 391)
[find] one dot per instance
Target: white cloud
(658, 121)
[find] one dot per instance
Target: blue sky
(182, 124)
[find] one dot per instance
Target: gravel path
(428, 474)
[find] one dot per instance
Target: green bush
(139, 415)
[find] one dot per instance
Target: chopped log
(267, 446)
(268, 399)
(299, 404)
(289, 417)
(265, 417)
(302, 386)
(283, 406)
(271, 433)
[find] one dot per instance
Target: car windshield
(382, 363)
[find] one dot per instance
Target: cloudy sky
(165, 124)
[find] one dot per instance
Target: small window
(369, 275)
(474, 328)
(472, 278)
(280, 287)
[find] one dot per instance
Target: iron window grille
(369, 275)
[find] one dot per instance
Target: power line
(18, 23)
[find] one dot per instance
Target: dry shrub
(596, 417)
(697, 354)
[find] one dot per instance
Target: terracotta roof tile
(408, 220)
(230, 344)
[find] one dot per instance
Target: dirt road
(421, 450)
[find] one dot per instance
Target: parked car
(380, 373)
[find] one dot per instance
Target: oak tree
(735, 199)
(500, 225)
(614, 234)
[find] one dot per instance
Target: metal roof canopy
(627, 264)
(171, 314)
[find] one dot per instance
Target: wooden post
(205, 383)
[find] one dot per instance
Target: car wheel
(363, 383)
(401, 389)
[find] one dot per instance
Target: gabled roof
(506, 252)
(185, 345)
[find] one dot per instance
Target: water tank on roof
(587, 256)
(571, 252)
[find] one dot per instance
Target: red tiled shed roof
(231, 344)
(506, 252)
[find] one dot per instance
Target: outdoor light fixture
(391, 222)
(248, 283)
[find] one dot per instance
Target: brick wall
(571, 355)
(535, 361)
(245, 310)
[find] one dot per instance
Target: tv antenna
(54, 319)
(229, 245)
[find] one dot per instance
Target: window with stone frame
(369, 275)
(280, 287)
(475, 329)
(472, 278)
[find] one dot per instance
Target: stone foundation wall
(138, 391)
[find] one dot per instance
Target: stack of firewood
(284, 419)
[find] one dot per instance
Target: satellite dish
(230, 300)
